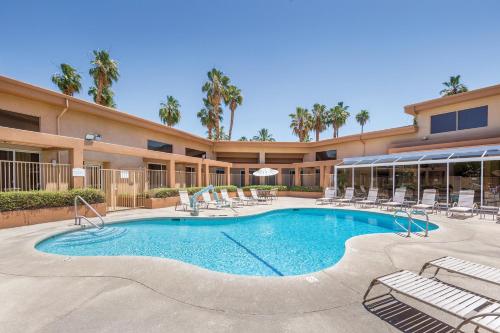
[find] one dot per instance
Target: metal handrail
(78, 218)
(424, 213)
(410, 220)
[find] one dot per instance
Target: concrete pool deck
(43, 292)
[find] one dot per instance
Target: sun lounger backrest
(241, 194)
(254, 193)
(206, 197)
(400, 194)
(223, 193)
(372, 194)
(330, 192)
(429, 196)
(184, 197)
(466, 198)
(349, 193)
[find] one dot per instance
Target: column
(207, 175)
(322, 176)
(171, 173)
(76, 161)
(279, 179)
(247, 176)
(262, 157)
(227, 172)
(297, 176)
(199, 180)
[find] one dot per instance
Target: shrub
(166, 192)
(306, 188)
(10, 201)
(266, 187)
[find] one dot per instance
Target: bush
(10, 201)
(166, 192)
(266, 187)
(306, 188)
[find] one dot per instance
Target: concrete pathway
(49, 293)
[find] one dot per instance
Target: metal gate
(124, 189)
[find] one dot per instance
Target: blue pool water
(276, 243)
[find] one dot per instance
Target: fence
(185, 179)
(217, 179)
(270, 180)
(156, 179)
(309, 179)
(30, 176)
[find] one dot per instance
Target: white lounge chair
(256, 197)
(231, 201)
(183, 200)
(330, 194)
(465, 203)
(371, 200)
(347, 198)
(466, 268)
(470, 307)
(398, 199)
(428, 200)
(207, 200)
(243, 197)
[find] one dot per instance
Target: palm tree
(223, 135)
(453, 87)
(263, 135)
(216, 89)
(106, 96)
(301, 123)
(169, 112)
(243, 138)
(104, 72)
(362, 118)
(338, 117)
(207, 118)
(68, 81)
(233, 99)
(318, 119)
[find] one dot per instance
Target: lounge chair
(398, 199)
(465, 203)
(347, 198)
(274, 194)
(231, 201)
(428, 200)
(256, 197)
(183, 200)
(207, 200)
(330, 194)
(470, 307)
(372, 198)
(466, 268)
(243, 197)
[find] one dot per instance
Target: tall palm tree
(104, 72)
(207, 119)
(362, 118)
(263, 135)
(68, 81)
(107, 97)
(301, 123)
(337, 117)
(216, 89)
(453, 87)
(170, 112)
(232, 99)
(318, 119)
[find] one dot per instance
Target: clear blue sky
(375, 55)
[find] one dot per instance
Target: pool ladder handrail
(411, 221)
(78, 218)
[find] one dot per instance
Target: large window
(344, 179)
(491, 183)
(433, 176)
(362, 180)
(19, 121)
(195, 153)
(326, 155)
(465, 176)
(406, 176)
(383, 180)
(159, 146)
(460, 120)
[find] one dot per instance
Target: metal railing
(185, 179)
(217, 179)
(156, 179)
(32, 176)
(78, 218)
(411, 222)
(309, 179)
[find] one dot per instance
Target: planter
(19, 218)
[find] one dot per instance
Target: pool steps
(91, 236)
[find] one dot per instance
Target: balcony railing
(32, 176)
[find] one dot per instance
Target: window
(195, 153)
(154, 166)
(326, 155)
(159, 146)
(19, 121)
(460, 120)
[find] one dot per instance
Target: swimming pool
(276, 243)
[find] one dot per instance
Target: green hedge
(166, 192)
(306, 188)
(10, 201)
(266, 187)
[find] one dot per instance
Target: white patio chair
(256, 197)
(183, 200)
(347, 198)
(464, 205)
(243, 197)
(372, 198)
(398, 199)
(330, 194)
(428, 200)
(232, 201)
(207, 200)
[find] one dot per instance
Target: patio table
(483, 210)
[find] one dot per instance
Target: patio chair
(465, 203)
(371, 199)
(207, 200)
(256, 197)
(465, 268)
(347, 198)
(243, 197)
(330, 194)
(470, 307)
(428, 200)
(274, 194)
(398, 199)
(183, 200)
(232, 201)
